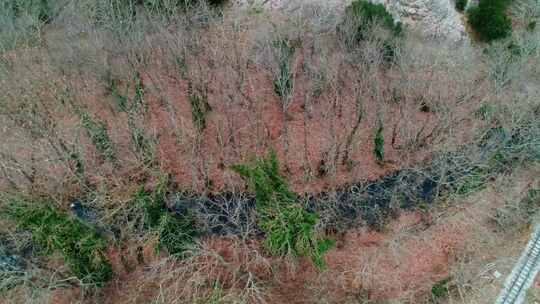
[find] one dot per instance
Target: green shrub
(135, 108)
(360, 18)
(153, 207)
(139, 104)
(531, 25)
(180, 61)
(473, 181)
(378, 142)
(115, 10)
(143, 144)
(217, 2)
(485, 111)
(489, 20)
(21, 22)
(365, 15)
(198, 100)
(461, 5)
(111, 85)
(263, 177)
(289, 228)
(97, 131)
(531, 202)
(283, 79)
(82, 248)
(175, 232)
(40, 9)
(160, 5)
(440, 289)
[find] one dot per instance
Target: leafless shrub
(206, 273)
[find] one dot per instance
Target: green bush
(531, 26)
(21, 22)
(157, 7)
(97, 131)
(378, 142)
(489, 20)
(175, 232)
(461, 5)
(139, 104)
(440, 289)
(135, 107)
(485, 111)
(143, 143)
(531, 202)
(263, 177)
(289, 228)
(82, 248)
(198, 100)
(365, 14)
(40, 9)
(360, 18)
(152, 205)
(475, 180)
(160, 4)
(283, 80)
(124, 17)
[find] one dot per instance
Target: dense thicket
(489, 19)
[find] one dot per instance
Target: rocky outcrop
(433, 18)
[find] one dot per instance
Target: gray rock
(83, 212)
(9, 262)
(11, 269)
(433, 18)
